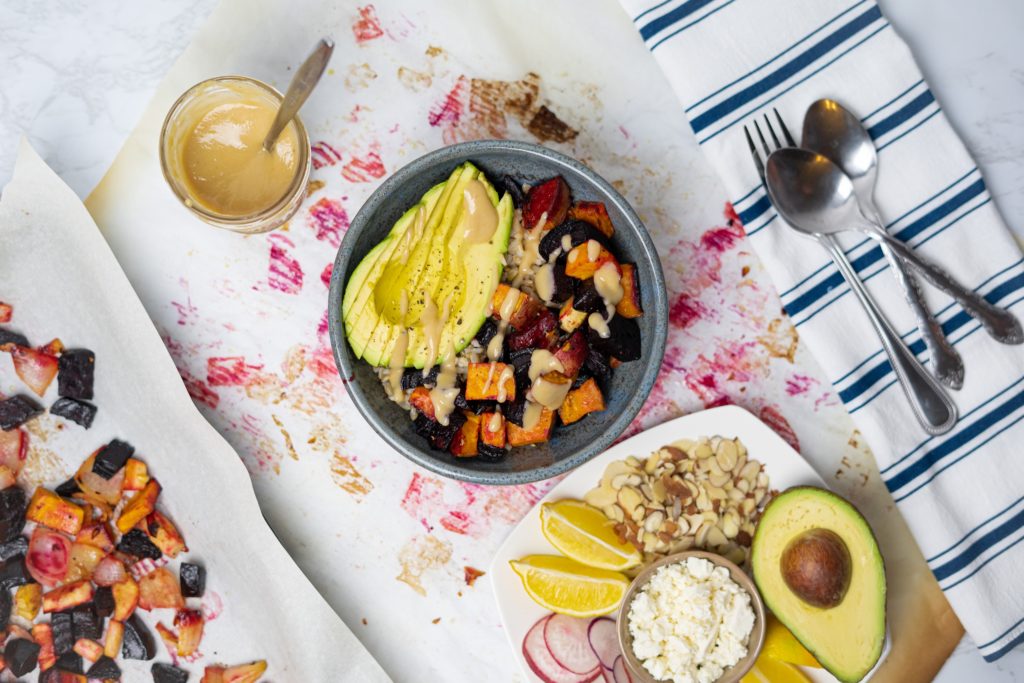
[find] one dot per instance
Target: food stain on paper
(773, 417)
(288, 444)
(780, 339)
(230, 371)
(414, 80)
(359, 77)
(329, 220)
(471, 574)
(367, 26)
(365, 168)
(284, 272)
(348, 478)
(323, 154)
(419, 556)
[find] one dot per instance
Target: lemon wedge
(768, 670)
(781, 645)
(568, 587)
(583, 533)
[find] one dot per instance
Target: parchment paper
(64, 282)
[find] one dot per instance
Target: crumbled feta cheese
(690, 622)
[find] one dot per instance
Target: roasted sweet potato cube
(629, 306)
(89, 649)
(112, 641)
(466, 440)
(539, 433)
(594, 213)
(243, 673)
(506, 301)
(546, 204)
(97, 535)
(42, 634)
(50, 510)
(159, 589)
(68, 596)
(492, 429)
(572, 354)
(584, 260)
(581, 402)
(420, 400)
(136, 475)
(490, 382)
(189, 623)
(139, 507)
(28, 598)
(569, 319)
(126, 598)
(164, 535)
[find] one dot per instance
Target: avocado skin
(826, 633)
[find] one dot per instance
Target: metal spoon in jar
(833, 131)
(302, 85)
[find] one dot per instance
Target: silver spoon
(302, 85)
(820, 199)
(833, 131)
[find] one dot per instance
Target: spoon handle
(302, 85)
(1001, 325)
(931, 405)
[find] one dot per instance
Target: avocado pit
(816, 566)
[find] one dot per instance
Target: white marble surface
(77, 75)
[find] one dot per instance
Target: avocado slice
(812, 548)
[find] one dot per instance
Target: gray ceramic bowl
(569, 446)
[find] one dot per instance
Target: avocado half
(847, 639)
(426, 253)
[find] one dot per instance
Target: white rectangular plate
(785, 468)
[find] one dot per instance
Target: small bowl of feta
(693, 616)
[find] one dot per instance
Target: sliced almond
(726, 454)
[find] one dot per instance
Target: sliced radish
(35, 368)
(48, 555)
(109, 571)
(604, 640)
(607, 676)
(619, 672)
(13, 449)
(540, 661)
(566, 638)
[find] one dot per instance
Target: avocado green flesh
(846, 639)
(435, 262)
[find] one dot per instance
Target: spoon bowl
(833, 131)
(811, 192)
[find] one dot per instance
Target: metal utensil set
(827, 187)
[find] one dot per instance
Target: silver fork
(931, 405)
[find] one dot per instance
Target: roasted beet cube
(12, 513)
(623, 341)
(103, 601)
(582, 377)
(63, 632)
(165, 673)
(75, 373)
(534, 335)
(6, 602)
(588, 299)
(565, 286)
(572, 353)
(138, 641)
(19, 546)
(489, 453)
(481, 407)
(70, 662)
(515, 411)
(85, 623)
(8, 336)
(486, 332)
(423, 425)
(546, 204)
(16, 411)
(112, 458)
(14, 573)
(137, 544)
(460, 401)
(412, 378)
(507, 183)
(104, 669)
(68, 488)
(578, 232)
(598, 366)
(441, 435)
(72, 409)
(193, 580)
(21, 656)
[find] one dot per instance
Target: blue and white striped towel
(962, 493)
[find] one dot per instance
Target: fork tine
(753, 152)
(764, 143)
(771, 131)
(785, 131)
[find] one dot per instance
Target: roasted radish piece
(539, 433)
(164, 535)
(83, 561)
(96, 488)
(629, 306)
(75, 376)
(54, 347)
(244, 673)
(42, 634)
(570, 319)
(490, 382)
(420, 400)
(112, 641)
(27, 600)
(581, 402)
(160, 589)
(572, 354)
(109, 571)
(464, 444)
(35, 368)
(68, 596)
(138, 641)
(492, 430)
(126, 598)
(96, 535)
(189, 623)
(546, 204)
(586, 259)
(50, 510)
(48, 556)
(192, 578)
(594, 213)
(88, 649)
(16, 411)
(139, 507)
(165, 673)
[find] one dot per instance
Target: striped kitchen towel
(962, 493)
